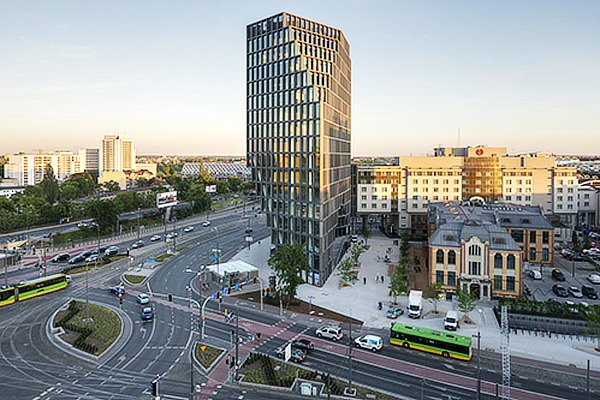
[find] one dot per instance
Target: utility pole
(87, 292)
(237, 342)
(6, 268)
(138, 223)
(350, 356)
(588, 381)
(505, 348)
(478, 365)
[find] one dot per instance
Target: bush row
(73, 309)
(545, 308)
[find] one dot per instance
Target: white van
(451, 320)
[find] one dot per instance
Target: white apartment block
(398, 196)
(90, 159)
(117, 154)
(28, 169)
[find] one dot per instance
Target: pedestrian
(365, 280)
(258, 337)
(377, 278)
(381, 278)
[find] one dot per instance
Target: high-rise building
(28, 169)
(298, 134)
(118, 154)
(90, 161)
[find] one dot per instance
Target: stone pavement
(360, 301)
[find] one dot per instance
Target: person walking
(365, 280)
(377, 278)
(382, 278)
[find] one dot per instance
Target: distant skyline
(171, 74)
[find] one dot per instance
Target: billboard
(166, 199)
(211, 189)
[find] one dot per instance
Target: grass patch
(162, 257)
(262, 369)
(135, 279)
(76, 269)
(105, 326)
(181, 248)
(208, 356)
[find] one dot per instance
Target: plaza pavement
(361, 302)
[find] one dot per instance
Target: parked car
(330, 332)
(92, 258)
(143, 298)
(111, 250)
(297, 355)
(116, 290)
(60, 258)
(558, 275)
(138, 244)
(576, 257)
(155, 238)
(394, 312)
(77, 259)
(188, 229)
(575, 292)
(594, 278)
(535, 274)
(147, 314)
(560, 290)
(589, 292)
(206, 223)
(99, 250)
(303, 344)
(369, 342)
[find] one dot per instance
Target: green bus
(446, 344)
(35, 287)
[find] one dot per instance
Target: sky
(521, 74)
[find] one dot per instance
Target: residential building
(117, 154)
(28, 168)
(298, 134)
(481, 247)
(484, 173)
(90, 161)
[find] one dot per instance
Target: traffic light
(170, 297)
(155, 387)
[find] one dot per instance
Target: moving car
(369, 342)
(575, 292)
(138, 244)
(116, 290)
(589, 292)
(99, 250)
(188, 229)
(111, 250)
(77, 259)
(297, 355)
(303, 344)
(206, 223)
(560, 290)
(594, 278)
(330, 332)
(60, 258)
(535, 274)
(558, 275)
(92, 258)
(143, 298)
(155, 238)
(147, 314)
(394, 312)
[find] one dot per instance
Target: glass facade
(298, 133)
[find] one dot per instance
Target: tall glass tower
(298, 134)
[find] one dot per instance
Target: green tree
(234, 184)
(433, 291)
(399, 281)
(592, 317)
(355, 252)
(345, 270)
(288, 262)
(404, 245)
(104, 213)
(466, 301)
(366, 232)
(112, 186)
(49, 185)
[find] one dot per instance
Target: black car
(116, 290)
(576, 257)
(589, 292)
(77, 259)
(560, 290)
(248, 230)
(303, 344)
(60, 258)
(557, 275)
(100, 250)
(297, 355)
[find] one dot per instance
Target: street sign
(288, 352)
(224, 291)
(150, 260)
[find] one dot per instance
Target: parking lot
(575, 272)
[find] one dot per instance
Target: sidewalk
(360, 301)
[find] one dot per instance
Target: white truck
(415, 303)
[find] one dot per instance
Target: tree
(288, 262)
(49, 185)
(399, 281)
(592, 317)
(355, 252)
(405, 245)
(112, 186)
(466, 301)
(104, 212)
(433, 291)
(345, 270)
(366, 232)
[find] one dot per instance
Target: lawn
(135, 279)
(105, 326)
(206, 355)
(162, 257)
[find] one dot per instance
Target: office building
(28, 169)
(90, 161)
(298, 134)
(397, 196)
